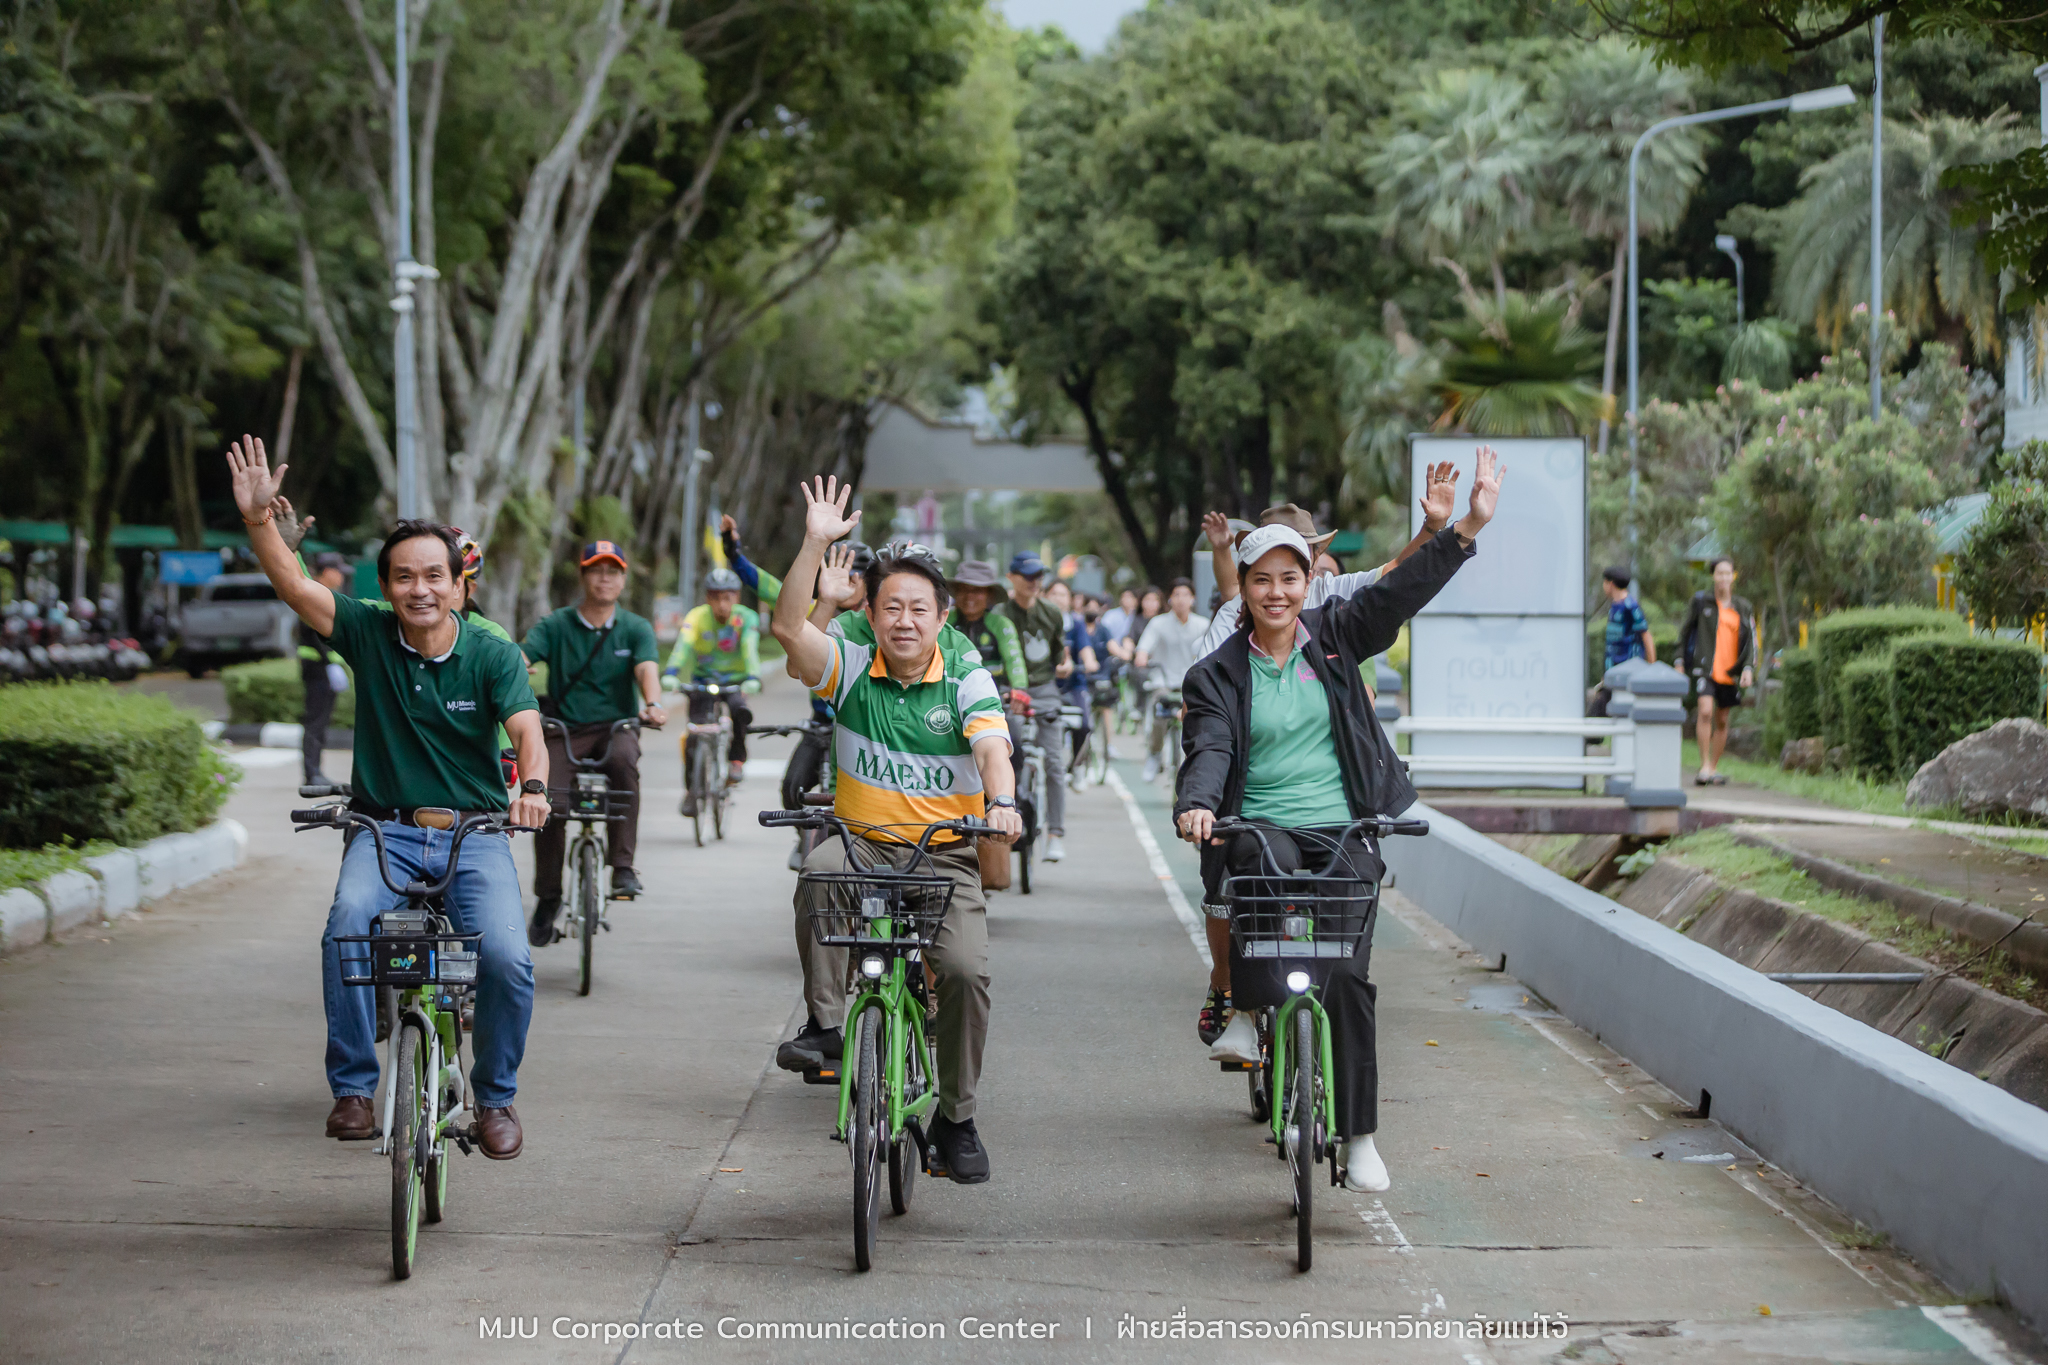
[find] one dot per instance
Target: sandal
(1215, 1014)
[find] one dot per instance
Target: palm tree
(1934, 281)
(1519, 365)
(1601, 99)
(1457, 175)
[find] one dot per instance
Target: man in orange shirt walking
(1718, 643)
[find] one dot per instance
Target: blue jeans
(483, 898)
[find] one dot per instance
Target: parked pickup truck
(235, 617)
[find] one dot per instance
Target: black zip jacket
(1702, 626)
(1343, 634)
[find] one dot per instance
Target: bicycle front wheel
(700, 787)
(408, 1113)
(588, 907)
(1305, 1120)
(435, 1183)
(866, 1138)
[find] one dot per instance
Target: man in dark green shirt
(431, 692)
(1043, 632)
(602, 668)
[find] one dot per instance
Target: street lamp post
(1726, 246)
(404, 365)
(1877, 222)
(1833, 97)
(693, 534)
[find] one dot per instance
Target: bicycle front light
(1297, 982)
(871, 968)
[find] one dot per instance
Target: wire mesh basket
(879, 908)
(1293, 923)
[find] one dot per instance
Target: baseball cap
(601, 549)
(328, 559)
(1026, 564)
(1256, 544)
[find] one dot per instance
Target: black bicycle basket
(590, 801)
(913, 904)
(1293, 923)
(406, 951)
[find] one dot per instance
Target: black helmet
(863, 559)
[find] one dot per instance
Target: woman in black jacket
(1280, 728)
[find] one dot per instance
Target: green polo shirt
(1291, 775)
(590, 670)
(427, 729)
(1043, 633)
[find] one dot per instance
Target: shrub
(270, 690)
(1794, 713)
(82, 761)
(1865, 694)
(1845, 636)
(1945, 687)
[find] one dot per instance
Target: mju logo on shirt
(904, 776)
(461, 705)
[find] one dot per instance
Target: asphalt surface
(166, 1193)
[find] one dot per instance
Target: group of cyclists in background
(925, 684)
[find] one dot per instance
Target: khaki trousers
(959, 955)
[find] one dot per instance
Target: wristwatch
(533, 786)
(1006, 802)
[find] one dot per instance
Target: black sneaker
(541, 932)
(954, 1150)
(625, 883)
(810, 1049)
(1215, 1014)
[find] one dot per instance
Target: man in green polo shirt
(1043, 632)
(602, 668)
(431, 692)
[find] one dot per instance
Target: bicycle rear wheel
(700, 788)
(408, 1112)
(866, 1139)
(436, 1182)
(587, 906)
(905, 1153)
(723, 788)
(1304, 1121)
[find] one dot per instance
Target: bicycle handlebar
(1380, 826)
(604, 756)
(711, 689)
(822, 819)
(341, 817)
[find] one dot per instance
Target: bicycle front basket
(912, 906)
(1288, 924)
(408, 959)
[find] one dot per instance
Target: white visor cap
(1267, 538)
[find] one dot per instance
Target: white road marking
(1190, 921)
(1385, 1230)
(259, 758)
(1974, 1336)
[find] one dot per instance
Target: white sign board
(1506, 637)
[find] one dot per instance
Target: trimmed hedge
(270, 690)
(83, 760)
(1864, 693)
(1945, 687)
(1793, 712)
(1846, 636)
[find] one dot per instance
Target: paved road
(166, 1194)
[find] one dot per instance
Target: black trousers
(1349, 998)
(319, 711)
(805, 772)
(622, 774)
(704, 710)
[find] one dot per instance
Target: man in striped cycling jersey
(918, 737)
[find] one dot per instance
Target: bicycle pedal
(822, 1075)
(1237, 1066)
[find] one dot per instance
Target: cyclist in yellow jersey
(720, 643)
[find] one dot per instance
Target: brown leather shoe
(352, 1119)
(498, 1131)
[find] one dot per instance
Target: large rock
(1803, 755)
(2004, 768)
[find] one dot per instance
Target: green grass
(1845, 790)
(27, 866)
(1763, 873)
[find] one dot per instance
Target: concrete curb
(1953, 1168)
(118, 883)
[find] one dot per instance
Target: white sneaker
(1152, 767)
(796, 856)
(1364, 1172)
(1239, 1041)
(1054, 850)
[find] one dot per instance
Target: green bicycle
(887, 1086)
(430, 969)
(1288, 933)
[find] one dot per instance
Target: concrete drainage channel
(1953, 1168)
(117, 883)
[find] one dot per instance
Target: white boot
(1054, 849)
(1239, 1041)
(1363, 1169)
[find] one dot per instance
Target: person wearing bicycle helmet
(601, 662)
(1280, 730)
(720, 642)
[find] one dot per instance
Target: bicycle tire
(1307, 1064)
(724, 788)
(588, 907)
(406, 1113)
(905, 1155)
(436, 1182)
(866, 1140)
(698, 788)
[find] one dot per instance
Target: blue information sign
(188, 568)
